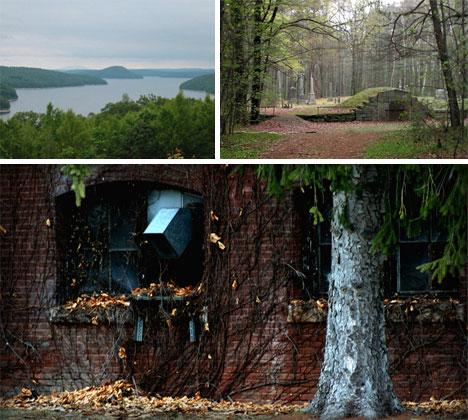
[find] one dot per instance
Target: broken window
(102, 246)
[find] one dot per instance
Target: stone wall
(391, 105)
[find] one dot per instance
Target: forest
(27, 77)
(204, 83)
(149, 128)
(289, 58)
(7, 94)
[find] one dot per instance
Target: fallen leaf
(26, 393)
(119, 397)
(234, 284)
(258, 300)
(221, 246)
(214, 238)
(213, 216)
(122, 353)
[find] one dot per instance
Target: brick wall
(250, 352)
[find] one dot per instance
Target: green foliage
(151, 127)
(284, 177)
(77, 174)
(189, 72)
(247, 145)
(204, 83)
(362, 97)
(418, 141)
(316, 214)
(26, 77)
(4, 103)
(7, 91)
(422, 192)
(413, 194)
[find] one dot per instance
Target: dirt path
(312, 140)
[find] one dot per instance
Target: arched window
(102, 246)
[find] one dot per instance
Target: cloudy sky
(99, 33)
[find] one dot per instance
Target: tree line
(149, 128)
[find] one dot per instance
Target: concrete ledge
(95, 316)
(396, 310)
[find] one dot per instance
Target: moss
(362, 97)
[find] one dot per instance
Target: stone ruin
(391, 105)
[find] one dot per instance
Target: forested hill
(28, 77)
(114, 72)
(7, 94)
(189, 72)
(205, 83)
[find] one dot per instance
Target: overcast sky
(100, 33)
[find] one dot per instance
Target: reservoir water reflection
(86, 99)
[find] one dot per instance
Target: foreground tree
(445, 22)
(354, 379)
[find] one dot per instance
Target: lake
(86, 99)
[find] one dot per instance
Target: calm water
(86, 99)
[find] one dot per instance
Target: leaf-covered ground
(121, 400)
(301, 139)
(321, 140)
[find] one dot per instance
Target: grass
(362, 97)
(404, 144)
(247, 145)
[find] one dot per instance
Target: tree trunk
(444, 58)
(354, 379)
(257, 62)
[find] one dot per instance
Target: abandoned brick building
(252, 323)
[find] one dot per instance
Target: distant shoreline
(27, 101)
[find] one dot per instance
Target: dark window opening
(426, 244)
(316, 241)
(102, 248)
(423, 242)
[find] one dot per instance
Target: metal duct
(170, 227)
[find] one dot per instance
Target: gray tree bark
(354, 379)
